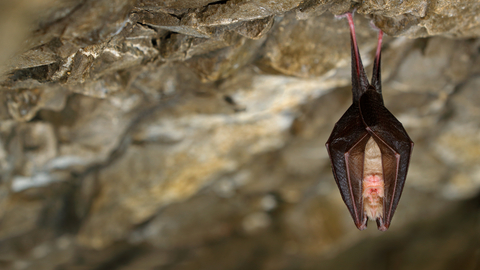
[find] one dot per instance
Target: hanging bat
(369, 148)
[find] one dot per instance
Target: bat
(369, 148)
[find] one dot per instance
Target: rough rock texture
(190, 134)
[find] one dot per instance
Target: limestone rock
(190, 134)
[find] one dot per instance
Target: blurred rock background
(190, 134)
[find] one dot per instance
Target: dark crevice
(167, 36)
(148, 26)
(175, 15)
(39, 73)
(217, 3)
(32, 148)
(121, 259)
(68, 220)
(37, 118)
(229, 100)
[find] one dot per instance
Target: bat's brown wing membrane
(346, 148)
(396, 148)
(368, 118)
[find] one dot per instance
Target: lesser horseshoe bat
(369, 149)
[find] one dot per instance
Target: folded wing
(346, 148)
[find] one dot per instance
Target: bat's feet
(344, 15)
(380, 32)
(374, 27)
(349, 16)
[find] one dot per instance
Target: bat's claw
(381, 225)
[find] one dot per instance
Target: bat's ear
(359, 77)
(376, 78)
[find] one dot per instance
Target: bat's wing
(346, 148)
(396, 148)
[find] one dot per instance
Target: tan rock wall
(190, 134)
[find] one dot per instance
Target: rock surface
(190, 134)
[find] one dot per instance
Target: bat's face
(369, 149)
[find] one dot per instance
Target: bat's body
(369, 148)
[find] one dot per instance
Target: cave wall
(190, 134)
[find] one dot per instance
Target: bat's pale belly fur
(373, 185)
